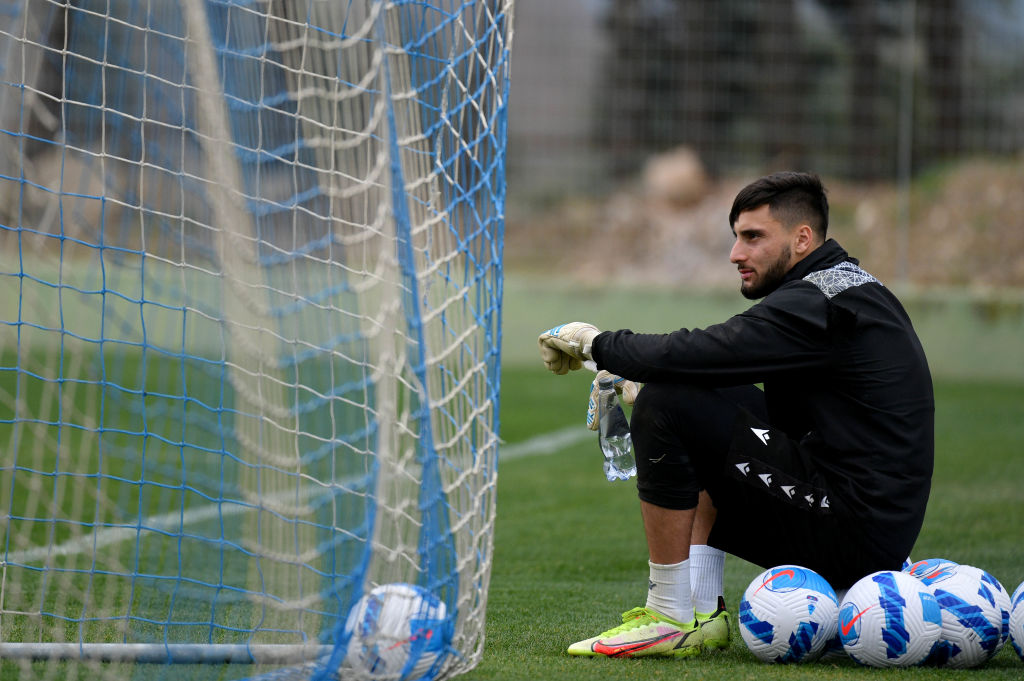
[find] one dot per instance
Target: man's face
(762, 252)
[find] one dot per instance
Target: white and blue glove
(626, 389)
(566, 347)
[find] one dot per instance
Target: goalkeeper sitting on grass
(828, 467)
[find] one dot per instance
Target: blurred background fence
(857, 89)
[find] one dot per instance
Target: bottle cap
(606, 383)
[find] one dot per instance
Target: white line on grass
(546, 443)
(171, 522)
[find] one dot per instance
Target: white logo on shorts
(762, 435)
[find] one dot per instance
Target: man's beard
(771, 278)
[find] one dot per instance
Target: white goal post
(251, 254)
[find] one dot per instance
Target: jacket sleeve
(786, 331)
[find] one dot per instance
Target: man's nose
(737, 254)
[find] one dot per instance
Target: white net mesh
(249, 353)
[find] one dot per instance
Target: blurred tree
(671, 78)
(863, 29)
(781, 84)
(728, 78)
(871, 30)
(755, 83)
(943, 30)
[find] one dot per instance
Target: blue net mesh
(249, 351)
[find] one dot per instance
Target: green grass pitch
(570, 555)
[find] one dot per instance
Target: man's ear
(803, 240)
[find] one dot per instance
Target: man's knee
(667, 406)
(663, 428)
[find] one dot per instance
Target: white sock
(669, 591)
(707, 567)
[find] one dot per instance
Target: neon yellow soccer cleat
(644, 632)
(715, 626)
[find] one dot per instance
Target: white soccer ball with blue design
(397, 632)
(975, 617)
(1017, 620)
(930, 569)
(889, 619)
(788, 614)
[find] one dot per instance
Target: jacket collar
(829, 254)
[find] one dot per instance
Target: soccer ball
(889, 619)
(1017, 620)
(788, 614)
(930, 569)
(975, 617)
(396, 632)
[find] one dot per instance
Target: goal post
(251, 253)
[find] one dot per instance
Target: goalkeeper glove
(565, 347)
(627, 389)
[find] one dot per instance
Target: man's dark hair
(793, 198)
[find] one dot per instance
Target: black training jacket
(844, 375)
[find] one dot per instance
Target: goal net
(251, 264)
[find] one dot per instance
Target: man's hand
(565, 348)
(626, 389)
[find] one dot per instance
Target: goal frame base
(168, 653)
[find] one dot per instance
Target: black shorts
(772, 501)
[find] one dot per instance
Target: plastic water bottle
(613, 434)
